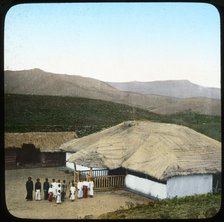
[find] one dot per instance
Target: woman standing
(50, 193)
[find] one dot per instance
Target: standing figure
(38, 189)
(59, 182)
(70, 185)
(63, 190)
(57, 185)
(50, 193)
(29, 189)
(91, 185)
(72, 192)
(58, 198)
(54, 187)
(80, 192)
(46, 186)
(85, 188)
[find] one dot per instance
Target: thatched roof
(156, 149)
(45, 141)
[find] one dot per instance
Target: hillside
(173, 88)
(204, 106)
(178, 208)
(27, 113)
(38, 82)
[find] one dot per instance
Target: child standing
(72, 192)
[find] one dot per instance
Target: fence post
(74, 173)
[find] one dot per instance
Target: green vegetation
(192, 207)
(30, 113)
(205, 124)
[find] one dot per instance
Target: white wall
(68, 164)
(189, 185)
(146, 186)
(176, 186)
(80, 167)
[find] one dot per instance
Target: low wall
(146, 186)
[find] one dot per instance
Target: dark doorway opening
(28, 154)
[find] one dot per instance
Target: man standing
(38, 189)
(29, 189)
(46, 188)
(63, 190)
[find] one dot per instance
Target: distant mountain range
(39, 82)
(173, 88)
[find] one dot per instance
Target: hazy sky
(116, 41)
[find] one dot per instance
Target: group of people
(57, 190)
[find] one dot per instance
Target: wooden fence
(109, 182)
(101, 179)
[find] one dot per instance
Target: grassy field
(30, 113)
(192, 207)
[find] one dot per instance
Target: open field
(101, 203)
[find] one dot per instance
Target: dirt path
(102, 202)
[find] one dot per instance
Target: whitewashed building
(160, 160)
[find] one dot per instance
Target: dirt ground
(90, 208)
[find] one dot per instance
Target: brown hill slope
(38, 82)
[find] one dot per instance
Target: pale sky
(116, 42)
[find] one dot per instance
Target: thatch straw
(157, 149)
(45, 141)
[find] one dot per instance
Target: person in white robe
(58, 197)
(59, 182)
(57, 185)
(86, 183)
(72, 192)
(54, 187)
(91, 186)
(80, 191)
